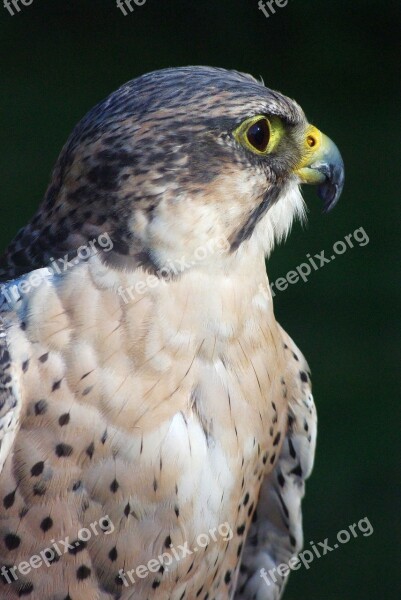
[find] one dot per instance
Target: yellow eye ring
(259, 134)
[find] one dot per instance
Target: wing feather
(10, 405)
(276, 532)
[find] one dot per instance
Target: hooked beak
(323, 166)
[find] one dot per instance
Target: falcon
(156, 422)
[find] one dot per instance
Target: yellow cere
(312, 146)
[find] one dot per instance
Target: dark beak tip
(331, 190)
(330, 193)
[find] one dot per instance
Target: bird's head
(180, 157)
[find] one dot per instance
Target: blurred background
(338, 59)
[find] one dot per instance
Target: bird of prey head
(173, 159)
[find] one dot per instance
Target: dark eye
(258, 134)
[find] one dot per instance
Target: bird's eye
(258, 134)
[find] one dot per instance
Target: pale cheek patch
(276, 224)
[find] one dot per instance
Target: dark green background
(338, 59)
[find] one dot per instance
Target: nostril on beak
(311, 141)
